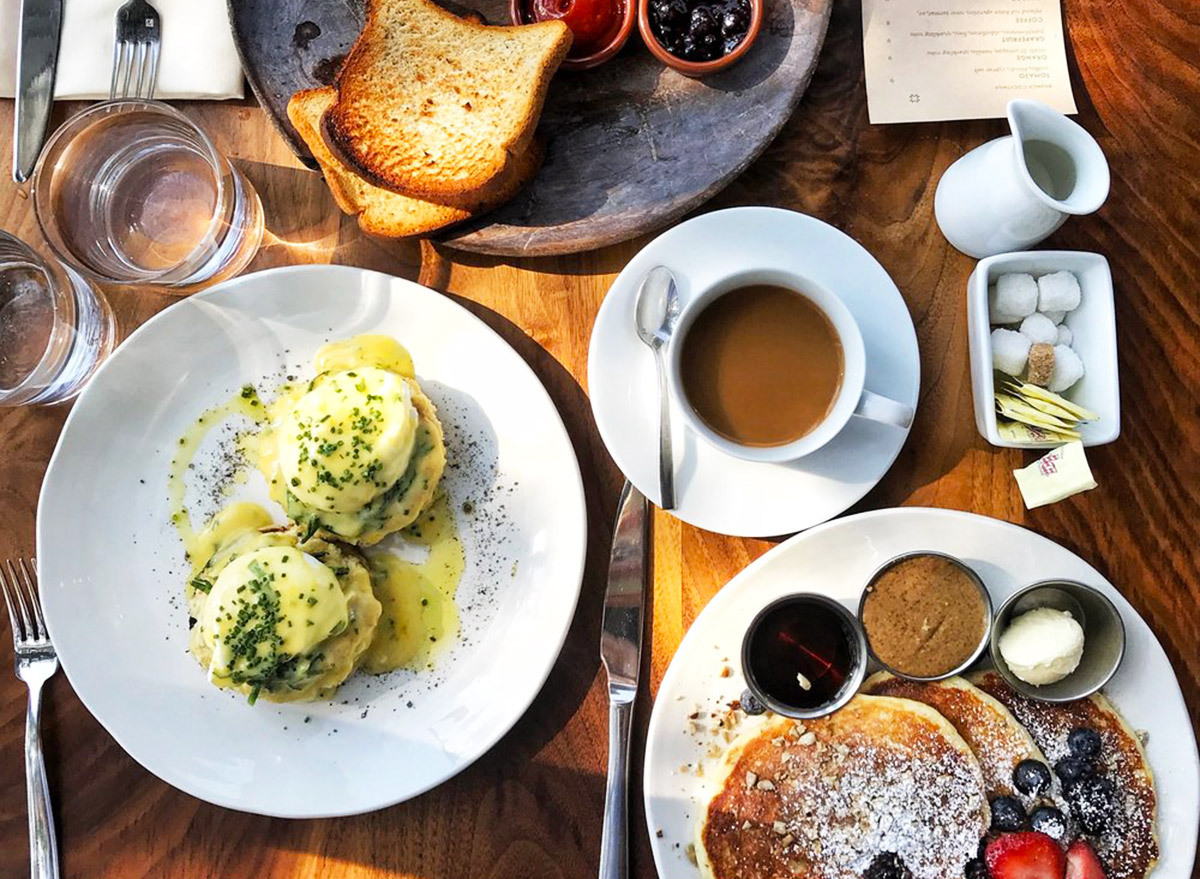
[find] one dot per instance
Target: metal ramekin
(988, 621)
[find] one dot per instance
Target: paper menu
(931, 60)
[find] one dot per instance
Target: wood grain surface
(532, 806)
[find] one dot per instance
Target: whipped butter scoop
(1042, 646)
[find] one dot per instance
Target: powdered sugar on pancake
(1129, 847)
(825, 800)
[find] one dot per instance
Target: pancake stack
(899, 781)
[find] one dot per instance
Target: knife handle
(614, 839)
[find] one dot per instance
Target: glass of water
(132, 192)
(55, 328)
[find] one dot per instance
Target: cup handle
(879, 408)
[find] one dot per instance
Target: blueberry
(1093, 801)
(976, 868)
(1031, 777)
(1008, 815)
(1084, 743)
(733, 23)
(673, 13)
(887, 865)
(1071, 769)
(1050, 821)
(703, 22)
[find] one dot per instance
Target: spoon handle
(666, 459)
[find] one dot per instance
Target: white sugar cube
(1014, 296)
(1039, 328)
(1010, 350)
(1068, 369)
(1065, 336)
(1055, 316)
(1058, 292)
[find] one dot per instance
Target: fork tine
(127, 51)
(18, 633)
(143, 53)
(27, 628)
(35, 600)
(117, 56)
(154, 49)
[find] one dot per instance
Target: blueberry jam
(700, 30)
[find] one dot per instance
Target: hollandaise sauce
(244, 403)
(419, 613)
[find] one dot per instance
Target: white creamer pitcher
(1012, 192)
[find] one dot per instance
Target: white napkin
(197, 58)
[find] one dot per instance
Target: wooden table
(532, 806)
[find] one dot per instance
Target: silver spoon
(657, 314)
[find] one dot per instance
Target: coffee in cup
(769, 366)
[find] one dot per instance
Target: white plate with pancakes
(686, 745)
(113, 573)
(713, 489)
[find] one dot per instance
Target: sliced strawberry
(1028, 855)
(1082, 862)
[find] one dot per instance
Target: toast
(438, 107)
(381, 211)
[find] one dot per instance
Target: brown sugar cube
(1041, 364)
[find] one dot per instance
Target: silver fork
(135, 53)
(36, 663)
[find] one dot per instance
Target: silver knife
(621, 653)
(37, 60)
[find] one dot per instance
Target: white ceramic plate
(112, 568)
(713, 490)
(836, 560)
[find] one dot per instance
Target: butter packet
(1056, 475)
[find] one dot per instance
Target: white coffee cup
(852, 398)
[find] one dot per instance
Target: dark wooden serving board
(630, 146)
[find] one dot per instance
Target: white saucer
(715, 491)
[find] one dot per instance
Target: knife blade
(621, 652)
(37, 61)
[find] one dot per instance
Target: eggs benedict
(277, 616)
(356, 453)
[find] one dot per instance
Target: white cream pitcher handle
(878, 408)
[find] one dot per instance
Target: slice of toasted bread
(386, 213)
(435, 106)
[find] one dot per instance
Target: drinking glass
(132, 192)
(55, 328)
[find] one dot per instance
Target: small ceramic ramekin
(518, 11)
(1093, 325)
(699, 68)
(1103, 637)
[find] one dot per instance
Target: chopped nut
(779, 827)
(842, 750)
(805, 683)
(787, 840)
(745, 825)
(765, 784)
(751, 778)
(808, 738)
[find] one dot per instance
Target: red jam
(594, 23)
